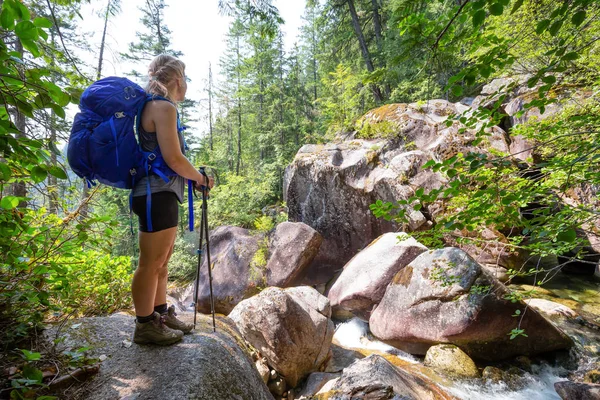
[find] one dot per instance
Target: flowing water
(537, 385)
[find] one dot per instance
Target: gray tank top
(176, 184)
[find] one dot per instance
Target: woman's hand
(199, 184)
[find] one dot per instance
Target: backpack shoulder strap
(138, 119)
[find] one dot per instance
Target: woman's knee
(162, 272)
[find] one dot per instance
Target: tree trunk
(210, 118)
(52, 181)
(103, 42)
(239, 107)
(18, 188)
(363, 48)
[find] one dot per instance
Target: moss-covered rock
(452, 361)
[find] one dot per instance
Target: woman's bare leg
(163, 275)
(155, 249)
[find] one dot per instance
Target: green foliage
(91, 283)
(378, 130)
(340, 107)
(45, 269)
(264, 223)
(184, 260)
(239, 200)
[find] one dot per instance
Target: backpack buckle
(132, 172)
(151, 157)
(120, 114)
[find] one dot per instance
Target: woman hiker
(155, 322)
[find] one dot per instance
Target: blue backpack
(104, 142)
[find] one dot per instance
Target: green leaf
(30, 355)
(578, 18)
(550, 79)
(7, 19)
(38, 174)
(23, 11)
(32, 373)
(41, 22)
(9, 202)
(31, 46)
(478, 18)
(568, 236)
(542, 26)
(516, 7)
(556, 27)
(496, 9)
(58, 110)
(58, 172)
(570, 56)
(457, 90)
(26, 30)
(5, 172)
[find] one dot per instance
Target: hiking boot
(173, 322)
(156, 332)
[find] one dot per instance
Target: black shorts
(164, 211)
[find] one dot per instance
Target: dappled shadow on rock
(204, 366)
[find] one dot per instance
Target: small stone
(126, 344)
(493, 374)
(273, 375)
(103, 357)
(452, 361)
(277, 387)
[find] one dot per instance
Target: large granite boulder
(292, 248)
(444, 296)
(376, 378)
(330, 187)
(235, 271)
(244, 262)
(290, 327)
(362, 283)
(204, 366)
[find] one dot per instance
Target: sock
(143, 320)
(161, 309)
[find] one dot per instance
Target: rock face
(444, 296)
(290, 327)
(362, 283)
(292, 248)
(246, 261)
(204, 366)
(451, 360)
(360, 172)
(577, 391)
(235, 275)
(551, 309)
(376, 378)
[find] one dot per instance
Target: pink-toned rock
(444, 296)
(363, 282)
(292, 248)
(234, 275)
(577, 391)
(290, 327)
(550, 308)
(330, 187)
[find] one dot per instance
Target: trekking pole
(204, 231)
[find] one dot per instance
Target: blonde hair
(161, 72)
